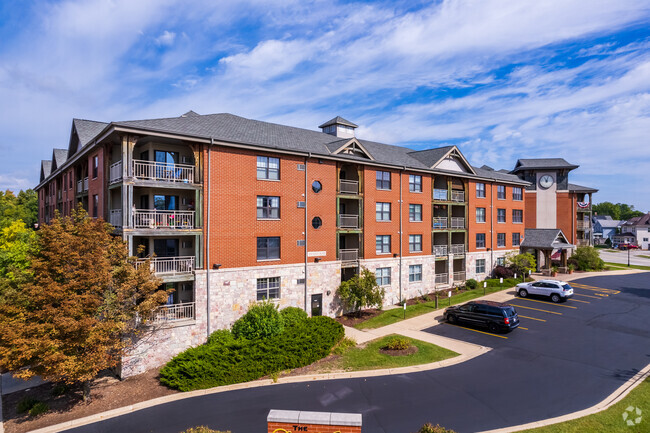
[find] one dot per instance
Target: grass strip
(369, 357)
(610, 420)
(397, 314)
(624, 266)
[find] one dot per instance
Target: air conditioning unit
(301, 167)
(301, 204)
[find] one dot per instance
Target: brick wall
(566, 215)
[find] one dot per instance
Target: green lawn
(617, 266)
(610, 420)
(369, 357)
(644, 256)
(397, 314)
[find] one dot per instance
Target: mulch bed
(351, 319)
(410, 351)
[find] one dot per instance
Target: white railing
(349, 257)
(442, 278)
(115, 172)
(169, 265)
(440, 194)
(457, 222)
(163, 171)
(581, 225)
(458, 249)
(440, 250)
(349, 221)
(80, 186)
(459, 276)
(157, 219)
(348, 186)
(173, 313)
(440, 223)
(85, 184)
(458, 196)
(115, 217)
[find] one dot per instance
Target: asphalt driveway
(569, 357)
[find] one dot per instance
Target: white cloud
(166, 38)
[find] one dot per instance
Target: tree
(361, 291)
(84, 305)
(618, 211)
(522, 263)
(22, 207)
(587, 259)
(17, 244)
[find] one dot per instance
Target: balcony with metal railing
(349, 258)
(115, 172)
(170, 266)
(440, 223)
(440, 250)
(582, 225)
(347, 221)
(348, 187)
(457, 249)
(80, 186)
(440, 194)
(457, 222)
(173, 313)
(115, 217)
(442, 278)
(163, 171)
(459, 276)
(163, 219)
(582, 242)
(85, 184)
(458, 196)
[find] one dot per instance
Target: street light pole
(628, 256)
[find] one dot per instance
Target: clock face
(546, 181)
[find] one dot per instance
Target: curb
(609, 401)
(480, 350)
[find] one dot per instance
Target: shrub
(430, 428)
(503, 272)
(260, 321)
(361, 291)
(587, 259)
(471, 284)
(221, 337)
(26, 404)
(521, 263)
(244, 360)
(344, 345)
(38, 409)
(59, 389)
(293, 316)
(203, 429)
(397, 343)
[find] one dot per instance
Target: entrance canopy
(544, 241)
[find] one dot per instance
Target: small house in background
(605, 228)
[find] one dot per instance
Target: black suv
(495, 316)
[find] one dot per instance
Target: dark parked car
(495, 316)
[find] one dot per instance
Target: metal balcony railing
(163, 219)
(582, 225)
(459, 276)
(173, 313)
(457, 222)
(458, 196)
(582, 242)
(440, 223)
(348, 186)
(458, 249)
(85, 184)
(347, 221)
(115, 172)
(440, 194)
(349, 257)
(442, 278)
(440, 250)
(80, 186)
(162, 171)
(115, 217)
(169, 265)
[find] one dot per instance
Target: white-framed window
(501, 192)
(516, 239)
(415, 183)
(480, 190)
(415, 212)
(383, 180)
(480, 240)
(480, 214)
(383, 276)
(268, 288)
(501, 215)
(517, 216)
(415, 273)
(268, 207)
(268, 168)
(382, 243)
(268, 248)
(517, 193)
(480, 266)
(415, 243)
(501, 239)
(501, 261)
(383, 211)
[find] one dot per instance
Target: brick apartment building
(235, 210)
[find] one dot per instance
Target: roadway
(564, 358)
(621, 257)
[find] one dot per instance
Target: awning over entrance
(544, 242)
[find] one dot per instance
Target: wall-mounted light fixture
(317, 259)
(216, 266)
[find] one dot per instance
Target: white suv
(556, 290)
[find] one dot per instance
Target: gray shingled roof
(87, 129)
(430, 157)
(609, 224)
(496, 175)
(46, 168)
(639, 221)
(545, 239)
(59, 156)
(540, 163)
(579, 188)
(338, 120)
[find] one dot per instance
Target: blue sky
(500, 79)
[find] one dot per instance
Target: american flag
(583, 204)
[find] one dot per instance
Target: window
(316, 222)
(383, 211)
(95, 166)
(95, 206)
(480, 214)
(268, 288)
(516, 193)
(383, 244)
(516, 239)
(480, 190)
(268, 248)
(501, 215)
(501, 261)
(161, 202)
(316, 186)
(480, 240)
(268, 207)
(268, 168)
(415, 273)
(480, 266)
(415, 183)
(501, 192)
(415, 243)
(383, 276)
(70, 178)
(415, 212)
(501, 239)
(383, 180)
(517, 216)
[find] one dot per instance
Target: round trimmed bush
(471, 284)
(221, 337)
(293, 316)
(261, 321)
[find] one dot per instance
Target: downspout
(206, 196)
(306, 275)
(400, 234)
(491, 228)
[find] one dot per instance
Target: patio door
(165, 247)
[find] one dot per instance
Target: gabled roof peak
(190, 114)
(338, 120)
